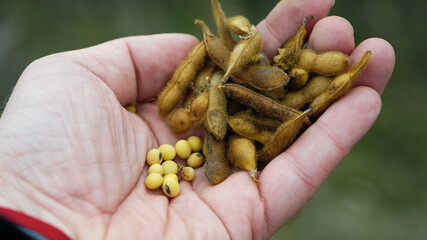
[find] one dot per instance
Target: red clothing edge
(24, 220)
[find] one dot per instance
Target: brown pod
(244, 52)
(259, 120)
(200, 83)
(338, 88)
(283, 137)
(181, 120)
(298, 78)
(300, 98)
(254, 75)
(260, 103)
(239, 25)
(181, 79)
(290, 50)
(216, 165)
(328, 63)
(249, 129)
(242, 153)
(216, 115)
(221, 24)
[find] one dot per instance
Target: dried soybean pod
(216, 165)
(265, 78)
(244, 52)
(338, 88)
(200, 83)
(240, 25)
(242, 153)
(290, 50)
(329, 63)
(181, 79)
(298, 77)
(249, 129)
(259, 120)
(216, 114)
(260, 103)
(283, 138)
(181, 120)
(300, 98)
(221, 24)
(200, 105)
(254, 75)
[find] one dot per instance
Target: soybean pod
(257, 75)
(338, 88)
(216, 166)
(283, 137)
(301, 98)
(260, 103)
(216, 114)
(181, 79)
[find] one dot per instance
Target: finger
(136, 68)
(380, 67)
(285, 18)
(291, 179)
(332, 34)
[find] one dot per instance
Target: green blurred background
(377, 192)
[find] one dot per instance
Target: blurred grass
(377, 192)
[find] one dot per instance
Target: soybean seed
(168, 151)
(195, 160)
(154, 156)
(153, 180)
(183, 149)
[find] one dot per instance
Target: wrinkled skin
(72, 156)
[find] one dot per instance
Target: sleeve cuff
(32, 227)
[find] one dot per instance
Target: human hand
(73, 157)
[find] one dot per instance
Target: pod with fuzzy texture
(200, 83)
(244, 52)
(254, 75)
(181, 120)
(290, 50)
(242, 153)
(300, 98)
(216, 114)
(240, 25)
(298, 78)
(338, 88)
(259, 120)
(221, 24)
(260, 103)
(216, 166)
(182, 79)
(249, 129)
(283, 137)
(329, 63)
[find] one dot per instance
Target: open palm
(75, 158)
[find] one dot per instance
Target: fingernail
(333, 3)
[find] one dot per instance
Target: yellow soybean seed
(195, 143)
(155, 168)
(154, 156)
(170, 175)
(188, 173)
(183, 149)
(131, 108)
(170, 187)
(195, 160)
(168, 151)
(169, 167)
(153, 181)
